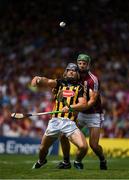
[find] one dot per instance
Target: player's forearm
(42, 81)
(78, 106)
(92, 100)
(90, 103)
(48, 82)
(37, 80)
(81, 107)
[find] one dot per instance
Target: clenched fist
(35, 80)
(65, 109)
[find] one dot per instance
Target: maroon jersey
(90, 81)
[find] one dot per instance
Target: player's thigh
(94, 135)
(78, 139)
(47, 141)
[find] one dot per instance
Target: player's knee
(93, 145)
(41, 147)
(83, 148)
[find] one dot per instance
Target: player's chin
(71, 77)
(82, 70)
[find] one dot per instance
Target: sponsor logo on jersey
(68, 93)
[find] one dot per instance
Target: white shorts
(90, 120)
(56, 126)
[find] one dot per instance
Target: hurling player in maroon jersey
(92, 117)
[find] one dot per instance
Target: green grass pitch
(19, 167)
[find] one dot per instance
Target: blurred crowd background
(32, 43)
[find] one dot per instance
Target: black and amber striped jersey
(71, 93)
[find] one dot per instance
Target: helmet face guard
(86, 58)
(74, 67)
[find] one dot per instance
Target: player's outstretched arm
(37, 80)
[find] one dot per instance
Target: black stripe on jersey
(80, 88)
(58, 102)
(64, 101)
(71, 102)
(57, 109)
(75, 118)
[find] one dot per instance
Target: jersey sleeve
(94, 84)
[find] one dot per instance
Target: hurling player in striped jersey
(69, 103)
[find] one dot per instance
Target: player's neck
(84, 73)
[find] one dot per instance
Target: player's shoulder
(93, 77)
(61, 81)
